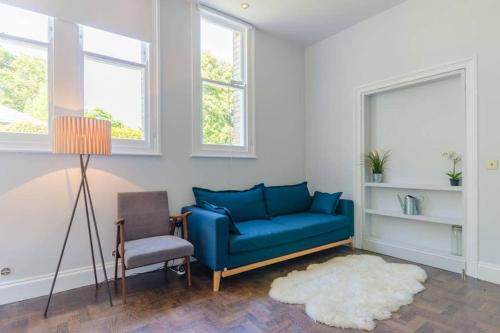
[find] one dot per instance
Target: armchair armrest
(209, 233)
(120, 237)
(183, 218)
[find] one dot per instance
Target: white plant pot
(377, 177)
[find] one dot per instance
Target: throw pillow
(244, 205)
(325, 203)
(287, 199)
(233, 228)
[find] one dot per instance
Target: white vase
(456, 240)
(377, 177)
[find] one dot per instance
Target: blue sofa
(269, 239)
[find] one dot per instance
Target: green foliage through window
(23, 90)
(220, 103)
(118, 128)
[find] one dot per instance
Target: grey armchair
(144, 234)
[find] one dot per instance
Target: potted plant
(455, 176)
(375, 161)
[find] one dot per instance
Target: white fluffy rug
(351, 291)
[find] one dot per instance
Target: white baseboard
(488, 272)
(35, 286)
(425, 257)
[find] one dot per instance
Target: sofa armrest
(346, 207)
(209, 233)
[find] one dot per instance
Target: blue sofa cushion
(243, 205)
(259, 234)
(287, 199)
(325, 203)
(233, 228)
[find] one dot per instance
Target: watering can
(409, 204)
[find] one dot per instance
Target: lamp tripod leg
(64, 244)
(86, 185)
(83, 170)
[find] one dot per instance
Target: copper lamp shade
(79, 135)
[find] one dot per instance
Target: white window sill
(49, 151)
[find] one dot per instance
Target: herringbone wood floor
(159, 305)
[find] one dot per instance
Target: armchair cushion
(244, 205)
(145, 214)
(152, 250)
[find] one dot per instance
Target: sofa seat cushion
(312, 224)
(152, 250)
(260, 234)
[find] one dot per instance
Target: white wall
(37, 190)
(417, 124)
(414, 35)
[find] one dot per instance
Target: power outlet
(492, 165)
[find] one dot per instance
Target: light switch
(492, 165)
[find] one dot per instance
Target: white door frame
(469, 67)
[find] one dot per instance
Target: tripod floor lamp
(84, 137)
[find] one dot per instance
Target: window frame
(125, 146)
(64, 34)
(200, 149)
(27, 142)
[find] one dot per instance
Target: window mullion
(224, 84)
(114, 61)
(23, 40)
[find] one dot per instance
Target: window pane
(220, 52)
(115, 92)
(23, 23)
(113, 45)
(223, 116)
(23, 88)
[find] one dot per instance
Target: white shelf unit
(424, 218)
(386, 119)
(428, 187)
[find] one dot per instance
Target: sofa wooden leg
(217, 276)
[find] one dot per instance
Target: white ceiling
(302, 21)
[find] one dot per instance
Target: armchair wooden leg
(188, 270)
(217, 276)
(116, 267)
(124, 284)
(117, 255)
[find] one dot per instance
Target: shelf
(417, 186)
(425, 218)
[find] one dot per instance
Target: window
(115, 69)
(24, 75)
(51, 66)
(223, 112)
